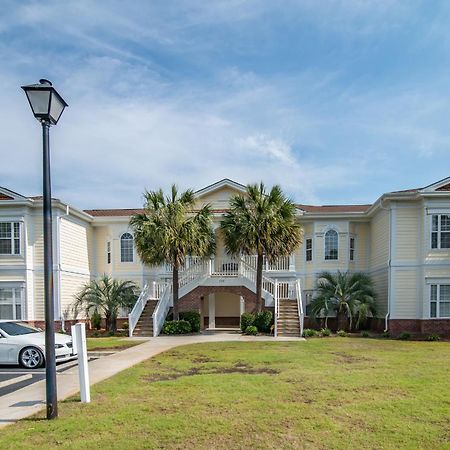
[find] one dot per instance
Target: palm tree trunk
(176, 315)
(342, 322)
(112, 324)
(259, 268)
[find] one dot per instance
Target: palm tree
(169, 230)
(351, 296)
(261, 223)
(105, 296)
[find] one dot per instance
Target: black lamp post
(47, 106)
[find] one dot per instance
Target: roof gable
(225, 185)
(439, 186)
(8, 195)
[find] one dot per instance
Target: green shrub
(95, 334)
(176, 327)
(365, 334)
(111, 333)
(247, 320)
(251, 330)
(386, 334)
(96, 320)
(125, 326)
(325, 332)
(263, 321)
(405, 336)
(341, 333)
(309, 332)
(433, 337)
(193, 317)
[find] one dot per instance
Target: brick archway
(192, 300)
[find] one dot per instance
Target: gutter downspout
(386, 318)
(58, 259)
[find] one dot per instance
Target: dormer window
(331, 245)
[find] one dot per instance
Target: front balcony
(230, 266)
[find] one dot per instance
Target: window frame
(309, 251)
(352, 248)
(325, 245)
(16, 235)
(438, 232)
(17, 300)
(122, 240)
(436, 287)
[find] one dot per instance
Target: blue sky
(336, 100)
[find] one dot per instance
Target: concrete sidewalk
(31, 399)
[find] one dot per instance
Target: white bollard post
(79, 338)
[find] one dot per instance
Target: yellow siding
(380, 280)
(405, 283)
(407, 233)
(379, 239)
(71, 285)
(74, 244)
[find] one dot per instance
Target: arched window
(331, 244)
(126, 247)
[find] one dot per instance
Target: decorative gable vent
(446, 187)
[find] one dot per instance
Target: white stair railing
(162, 309)
(277, 309)
(138, 307)
(301, 315)
(197, 270)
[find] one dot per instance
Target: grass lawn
(329, 393)
(110, 343)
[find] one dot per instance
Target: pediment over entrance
(218, 194)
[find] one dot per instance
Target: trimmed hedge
(176, 327)
(247, 320)
(193, 317)
(251, 330)
(263, 321)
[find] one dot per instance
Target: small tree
(350, 296)
(105, 296)
(169, 230)
(261, 223)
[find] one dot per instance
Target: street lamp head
(47, 105)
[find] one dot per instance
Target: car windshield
(17, 328)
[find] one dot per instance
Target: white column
(241, 305)
(212, 310)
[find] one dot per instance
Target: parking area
(13, 378)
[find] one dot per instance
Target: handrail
(162, 308)
(138, 307)
(277, 307)
(301, 315)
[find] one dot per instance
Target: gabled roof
(226, 182)
(334, 208)
(113, 212)
(8, 195)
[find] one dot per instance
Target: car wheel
(31, 358)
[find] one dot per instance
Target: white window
(440, 231)
(331, 245)
(440, 300)
(126, 247)
(352, 249)
(11, 303)
(10, 238)
(309, 250)
(108, 252)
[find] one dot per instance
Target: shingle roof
(113, 212)
(334, 208)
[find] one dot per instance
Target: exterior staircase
(288, 322)
(144, 327)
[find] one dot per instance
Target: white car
(23, 344)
